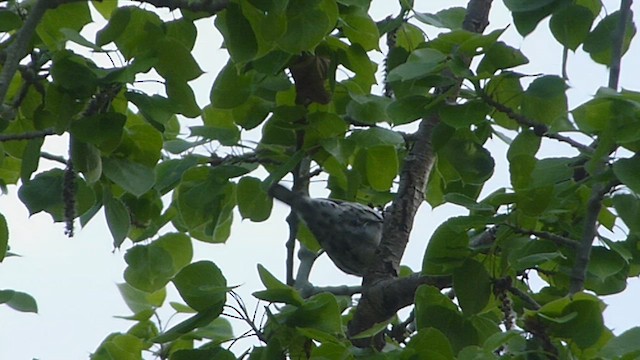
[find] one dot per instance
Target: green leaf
(321, 127)
(182, 30)
(578, 319)
(571, 24)
(203, 354)
(607, 272)
(149, 267)
(140, 301)
(545, 100)
(152, 266)
(202, 318)
(175, 62)
(156, 109)
(628, 209)
(464, 115)
(201, 196)
(360, 29)
(527, 20)
(623, 346)
(219, 125)
(230, 89)
(219, 331)
(276, 290)
(104, 131)
(307, 25)
(74, 36)
(238, 35)
(599, 43)
(142, 143)
(320, 312)
(18, 301)
(71, 15)
(44, 193)
(132, 177)
(30, 158)
(252, 112)
(179, 246)
(201, 285)
(407, 109)
(627, 171)
(472, 284)
(382, 166)
(253, 202)
(472, 162)
(430, 343)
(448, 247)
(182, 96)
(376, 137)
(435, 310)
(134, 30)
(118, 219)
(119, 346)
(87, 160)
(522, 160)
(450, 18)
(525, 5)
(507, 90)
(105, 8)
(421, 63)
(501, 56)
(9, 20)
(368, 109)
(169, 172)
(74, 74)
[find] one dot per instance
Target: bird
(348, 232)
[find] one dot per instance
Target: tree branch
(52, 157)
(539, 129)
(557, 239)
(211, 7)
(579, 270)
(27, 135)
(384, 294)
(618, 43)
(18, 49)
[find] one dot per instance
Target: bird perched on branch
(348, 232)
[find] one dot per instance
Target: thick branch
(389, 296)
(383, 294)
(618, 43)
(18, 49)
(579, 270)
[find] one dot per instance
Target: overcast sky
(74, 280)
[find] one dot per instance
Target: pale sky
(73, 280)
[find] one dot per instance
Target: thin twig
(524, 297)
(579, 270)
(57, 158)
(335, 290)
(539, 129)
(211, 7)
(27, 135)
(557, 239)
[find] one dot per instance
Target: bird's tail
(282, 193)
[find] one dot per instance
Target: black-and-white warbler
(348, 232)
